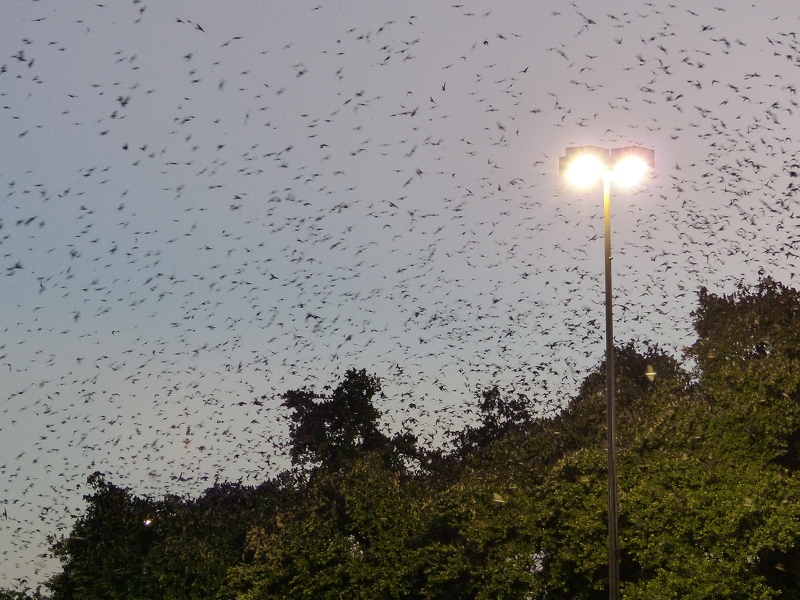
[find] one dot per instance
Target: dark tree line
(709, 491)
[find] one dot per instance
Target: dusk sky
(206, 204)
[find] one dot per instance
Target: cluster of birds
(203, 208)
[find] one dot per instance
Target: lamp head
(629, 164)
(584, 165)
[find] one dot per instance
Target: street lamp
(583, 166)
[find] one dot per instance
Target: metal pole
(613, 547)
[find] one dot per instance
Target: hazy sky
(204, 203)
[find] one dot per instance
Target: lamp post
(583, 166)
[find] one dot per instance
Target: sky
(207, 204)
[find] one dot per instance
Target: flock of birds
(203, 208)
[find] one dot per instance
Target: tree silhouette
(332, 431)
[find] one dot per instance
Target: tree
(200, 539)
(126, 547)
(24, 594)
(748, 359)
(712, 511)
(499, 415)
(361, 547)
(105, 555)
(333, 431)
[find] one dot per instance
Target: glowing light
(629, 171)
(585, 170)
(584, 165)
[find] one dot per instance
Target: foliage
(128, 547)
(26, 594)
(314, 551)
(708, 476)
(199, 540)
(333, 431)
(105, 556)
(748, 358)
(499, 415)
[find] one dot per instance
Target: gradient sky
(204, 203)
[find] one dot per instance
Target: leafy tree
(360, 548)
(333, 431)
(105, 555)
(199, 540)
(313, 548)
(24, 594)
(748, 358)
(713, 504)
(499, 415)
(177, 548)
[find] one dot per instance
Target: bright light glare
(629, 171)
(584, 171)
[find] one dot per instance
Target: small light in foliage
(147, 522)
(650, 373)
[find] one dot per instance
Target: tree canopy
(708, 460)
